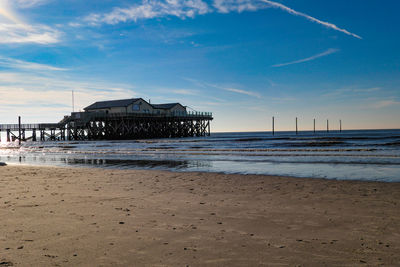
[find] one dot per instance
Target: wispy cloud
(50, 105)
(35, 92)
(14, 30)
(7, 12)
(351, 91)
(366, 90)
(386, 103)
(185, 92)
(20, 33)
(323, 54)
(226, 6)
(30, 3)
(221, 87)
(296, 13)
(150, 9)
(239, 91)
(25, 65)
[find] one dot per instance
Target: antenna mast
(73, 102)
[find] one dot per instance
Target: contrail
(327, 52)
(294, 12)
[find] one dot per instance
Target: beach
(52, 216)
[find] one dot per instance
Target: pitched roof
(165, 106)
(112, 103)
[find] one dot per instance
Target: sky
(243, 60)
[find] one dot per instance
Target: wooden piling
(314, 126)
(340, 122)
(296, 126)
(327, 126)
(19, 130)
(273, 125)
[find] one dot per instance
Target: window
(136, 107)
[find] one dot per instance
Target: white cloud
(25, 65)
(7, 13)
(20, 33)
(225, 88)
(74, 24)
(184, 92)
(240, 91)
(149, 9)
(296, 13)
(30, 3)
(51, 104)
(226, 6)
(13, 28)
(37, 90)
(323, 54)
(351, 91)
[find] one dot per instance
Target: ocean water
(369, 155)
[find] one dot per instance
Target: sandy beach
(94, 217)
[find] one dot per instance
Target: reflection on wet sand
(108, 163)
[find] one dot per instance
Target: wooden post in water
(327, 126)
(273, 125)
(296, 126)
(314, 126)
(340, 122)
(19, 130)
(34, 135)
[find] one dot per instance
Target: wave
(312, 144)
(192, 149)
(392, 144)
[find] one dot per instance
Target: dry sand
(95, 217)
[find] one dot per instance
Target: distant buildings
(136, 106)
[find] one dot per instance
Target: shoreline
(88, 216)
(116, 167)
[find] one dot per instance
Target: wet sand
(94, 217)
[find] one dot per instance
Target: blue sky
(244, 60)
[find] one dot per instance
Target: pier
(105, 121)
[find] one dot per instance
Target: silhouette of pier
(102, 126)
(114, 120)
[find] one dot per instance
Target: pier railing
(83, 116)
(37, 126)
(162, 115)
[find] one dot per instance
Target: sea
(366, 155)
